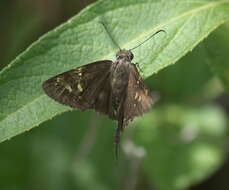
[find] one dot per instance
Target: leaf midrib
(144, 34)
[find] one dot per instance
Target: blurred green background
(182, 144)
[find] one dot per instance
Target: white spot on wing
(80, 87)
(136, 96)
(68, 88)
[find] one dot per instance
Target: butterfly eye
(131, 56)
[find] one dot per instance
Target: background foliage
(181, 143)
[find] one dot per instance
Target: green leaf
(218, 48)
(83, 39)
(183, 146)
(195, 73)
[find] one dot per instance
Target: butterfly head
(125, 54)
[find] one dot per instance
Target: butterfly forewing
(138, 99)
(82, 88)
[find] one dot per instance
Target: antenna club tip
(161, 31)
(148, 39)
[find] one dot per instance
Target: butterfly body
(120, 70)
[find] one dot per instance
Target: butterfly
(113, 88)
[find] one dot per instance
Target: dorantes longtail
(113, 88)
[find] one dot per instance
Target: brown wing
(138, 99)
(102, 103)
(83, 88)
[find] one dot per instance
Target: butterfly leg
(138, 66)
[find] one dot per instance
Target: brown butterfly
(115, 89)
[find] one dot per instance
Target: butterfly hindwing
(102, 103)
(81, 88)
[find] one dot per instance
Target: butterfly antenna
(148, 39)
(109, 34)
